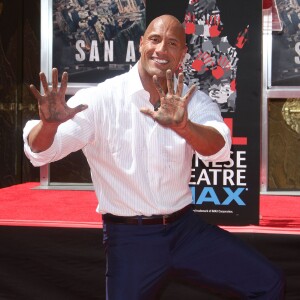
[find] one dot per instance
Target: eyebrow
(155, 35)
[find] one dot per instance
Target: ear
(141, 42)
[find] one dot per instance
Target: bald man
(139, 132)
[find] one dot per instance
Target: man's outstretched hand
(52, 105)
(172, 112)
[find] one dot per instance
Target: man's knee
(274, 287)
(278, 288)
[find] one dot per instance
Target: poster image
(224, 61)
(212, 60)
(217, 32)
(286, 45)
(96, 39)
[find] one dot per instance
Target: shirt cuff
(40, 158)
(223, 154)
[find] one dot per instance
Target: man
(139, 132)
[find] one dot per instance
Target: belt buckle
(164, 217)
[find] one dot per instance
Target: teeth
(160, 61)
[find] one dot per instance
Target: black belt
(144, 220)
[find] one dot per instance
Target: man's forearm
(41, 136)
(205, 140)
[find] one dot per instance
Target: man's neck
(149, 86)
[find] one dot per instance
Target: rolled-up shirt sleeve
(224, 153)
(40, 158)
(203, 110)
(71, 135)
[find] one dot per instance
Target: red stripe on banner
(267, 4)
(235, 140)
(239, 141)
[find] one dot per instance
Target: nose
(161, 47)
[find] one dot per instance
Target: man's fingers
(170, 83)
(148, 112)
(79, 108)
(74, 111)
(158, 87)
(54, 79)
(179, 88)
(35, 92)
(189, 93)
(44, 82)
(64, 83)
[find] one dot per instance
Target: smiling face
(162, 47)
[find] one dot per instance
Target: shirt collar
(134, 84)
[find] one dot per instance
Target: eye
(173, 44)
(154, 40)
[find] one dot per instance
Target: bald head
(168, 21)
(162, 48)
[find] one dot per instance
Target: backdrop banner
(224, 61)
(94, 40)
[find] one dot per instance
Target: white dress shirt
(137, 166)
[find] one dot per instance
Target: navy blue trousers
(141, 257)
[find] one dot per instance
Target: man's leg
(137, 260)
(213, 257)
